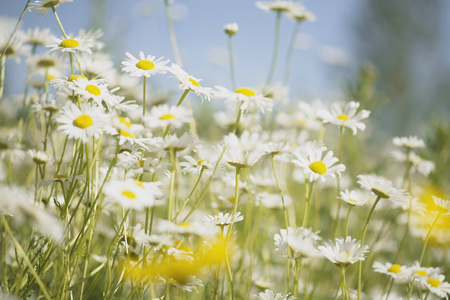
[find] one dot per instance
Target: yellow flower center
(60, 176)
(139, 183)
(347, 255)
(318, 167)
(231, 199)
(129, 194)
(421, 272)
(245, 91)
(342, 117)
(124, 121)
(50, 77)
(352, 200)
(83, 121)
(395, 269)
(199, 162)
(380, 194)
(434, 282)
(184, 224)
(127, 134)
(94, 90)
(167, 117)
(141, 162)
(194, 82)
(145, 65)
(69, 43)
(72, 78)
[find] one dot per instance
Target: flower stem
(275, 48)
(173, 39)
(286, 218)
(346, 219)
(230, 55)
(287, 67)
(144, 84)
(307, 200)
(428, 237)
(362, 244)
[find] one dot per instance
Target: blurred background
(390, 55)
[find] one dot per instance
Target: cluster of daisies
(119, 194)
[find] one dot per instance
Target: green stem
(390, 288)
(287, 67)
(172, 185)
(307, 200)
(362, 244)
(189, 197)
(2, 75)
(25, 258)
(344, 285)
(346, 219)
(286, 218)
(59, 22)
(230, 56)
(275, 48)
(227, 260)
(173, 39)
(428, 237)
(236, 199)
(144, 84)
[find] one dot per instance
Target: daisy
(95, 89)
(188, 82)
(345, 115)
(298, 12)
(410, 142)
(314, 165)
(224, 219)
(269, 295)
(247, 99)
(418, 164)
(396, 271)
(383, 188)
(45, 61)
(344, 252)
(39, 157)
(43, 6)
(442, 204)
(36, 36)
(165, 115)
(196, 166)
(144, 65)
(277, 5)
(275, 148)
(85, 123)
(237, 154)
(231, 28)
(16, 48)
(297, 243)
(353, 198)
(423, 272)
(71, 44)
(133, 194)
(437, 286)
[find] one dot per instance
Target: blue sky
(135, 26)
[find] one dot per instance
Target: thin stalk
(362, 244)
(298, 266)
(390, 288)
(275, 48)
(144, 84)
(173, 39)
(347, 218)
(230, 56)
(190, 195)
(172, 185)
(287, 67)
(59, 22)
(2, 75)
(428, 237)
(307, 200)
(236, 199)
(227, 260)
(178, 104)
(286, 218)
(344, 285)
(14, 32)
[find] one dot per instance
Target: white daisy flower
(344, 252)
(305, 115)
(95, 89)
(36, 36)
(383, 188)
(314, 165)
(418, 164)
(297, 243)
(275, 148)
(345, 115)
(132, 193)
(298, 12)
(43, 6)
(196, 166)
(247, 99)
(71, 44)
(420, 272)
(237, 154)
(410, 142)
(269, 295)
(437, 286)
(231, 28)
(16, 48)
(224, 219)
(165, 115)
(443, 205)
(188, 284)
(188, 82)
(396, 271)
(277, 5)
(354, 198)
(85, 123)
(45, 61)
(144, 65)
(39, 157)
